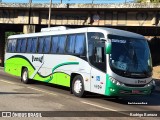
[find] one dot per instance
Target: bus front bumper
(117, 90)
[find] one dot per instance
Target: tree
(7, 34)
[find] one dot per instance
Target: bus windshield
(130, 57)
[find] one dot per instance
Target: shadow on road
(4, 93)
(153, 99)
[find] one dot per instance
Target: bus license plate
(135, 91)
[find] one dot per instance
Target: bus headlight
(152, 83)
(116, 82)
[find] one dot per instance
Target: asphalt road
(59, 103)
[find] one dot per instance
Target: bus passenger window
(47, 44)
(14, 42)
(23, 45)
(61, 44)
(34, 45)
(18, 45)
(80, 44)
(70, 44)
(9, 46)
(54, 44)
(29, 43)
(40, 44)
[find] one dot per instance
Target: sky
(67, 1)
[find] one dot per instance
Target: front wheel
(24, 77)
(78, 86)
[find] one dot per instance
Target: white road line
(8, 82)
(42, 91)
(98, 106)
(29, 87)
(110, 109)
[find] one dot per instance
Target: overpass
(31, 17)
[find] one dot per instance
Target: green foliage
(7, 34)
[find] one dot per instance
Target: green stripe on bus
(59, 65)
(15, 63)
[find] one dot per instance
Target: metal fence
(68, 1)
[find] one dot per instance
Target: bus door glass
(97, 59)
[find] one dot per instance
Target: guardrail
(68, 1)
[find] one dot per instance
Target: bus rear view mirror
(108, 45)
(108, 48)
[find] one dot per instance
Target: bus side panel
(98, 81)
(14, 64)
(10, 68)
(58, 70)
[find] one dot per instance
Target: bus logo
(142, 81)
(40, 59)
(97, 78)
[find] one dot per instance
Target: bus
(101, 60)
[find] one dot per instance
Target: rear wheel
(24, 76)
(78, 86)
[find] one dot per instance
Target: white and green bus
(101, 60)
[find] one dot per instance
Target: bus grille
(129, 85)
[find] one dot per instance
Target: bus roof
(80, 30)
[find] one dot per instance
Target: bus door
(98, 71)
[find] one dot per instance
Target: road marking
(110, 109)
(30, 88)
(7, 82)
(42, 91)
(98, 106)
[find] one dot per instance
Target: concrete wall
(82, 14)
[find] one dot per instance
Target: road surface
(51, 101)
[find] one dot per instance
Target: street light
(49, 16)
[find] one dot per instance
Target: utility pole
(49, 16)
(92, 2)
(30, 2)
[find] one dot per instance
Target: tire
(78, 86)
(24, 76)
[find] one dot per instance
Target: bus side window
(9, 46)
(13, 48)
(23, 45)
(18, 45)
(54, 44)
(34, 45)
(40, 44)
(61, 44)
(29, 43)
(80, 44)
(47, 44)
(70, 44)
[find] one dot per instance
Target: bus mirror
(108, 45)
(103, 39)
(108, 48)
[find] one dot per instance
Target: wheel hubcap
(25, 75)
(77, 86)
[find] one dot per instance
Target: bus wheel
(78, 86)
(24, 76)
